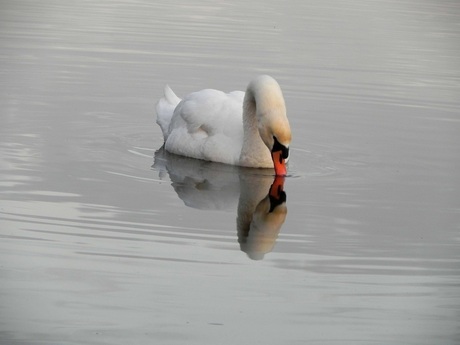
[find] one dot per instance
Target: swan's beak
(280, 154)
(279, 163)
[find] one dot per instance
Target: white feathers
(165, 109)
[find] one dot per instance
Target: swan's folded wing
(208, 125)
(212, 112)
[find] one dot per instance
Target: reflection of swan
(260, 200)
(234, 128)
(200, 184)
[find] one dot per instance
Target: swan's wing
(208, 125)
(212, 111)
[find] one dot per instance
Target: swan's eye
(280, 147)
(285, 152)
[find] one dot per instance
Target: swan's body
(247, 129)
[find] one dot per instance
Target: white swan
(248, 129)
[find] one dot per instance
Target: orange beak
(279, 163)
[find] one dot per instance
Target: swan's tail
(165, 109)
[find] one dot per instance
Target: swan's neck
(253, 148)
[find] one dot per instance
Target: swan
(247, 129)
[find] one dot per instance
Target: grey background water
(99, 247)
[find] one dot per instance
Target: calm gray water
(106, 239)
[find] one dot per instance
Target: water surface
(106, 239)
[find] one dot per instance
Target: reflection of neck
(260, 215)
(253, 190)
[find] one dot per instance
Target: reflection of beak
(276, 194)
(279, 163)
(277, 187)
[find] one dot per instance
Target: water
(108, 240)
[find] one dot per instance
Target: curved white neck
(253, 147)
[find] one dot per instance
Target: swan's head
(277, 141)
